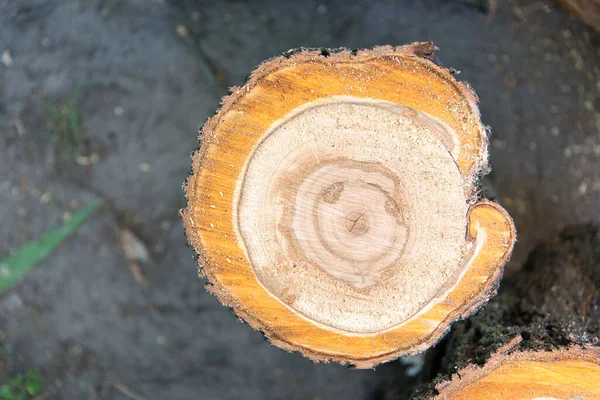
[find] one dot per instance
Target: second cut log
(540, 337)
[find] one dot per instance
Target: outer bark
(552, 306)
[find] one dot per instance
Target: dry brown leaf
(135, 252)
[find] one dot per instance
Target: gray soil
(82, 319)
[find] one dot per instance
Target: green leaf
(6, 393)
(33, 382)
(22, 387)
(73, 125)
(13, 267)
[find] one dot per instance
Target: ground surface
(82, 319)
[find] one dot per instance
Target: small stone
(582, 188)
(182, 31)
(7, 58)
(145, 167)
(119, 111)
(45, 42)
(161, 340)
(554, 131)
(415, 364)
(10, 303)
(165, 225)
(498, 144)
(85, 161)
(532, 146)
(322, 9)
(46, 197)
(564, 88)
(75, 350)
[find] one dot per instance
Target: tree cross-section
(333, 203)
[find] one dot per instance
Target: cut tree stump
(540, 337)
(333, 203)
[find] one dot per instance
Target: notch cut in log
(540, 337)
(333, 203)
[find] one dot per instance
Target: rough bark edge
(479, 168)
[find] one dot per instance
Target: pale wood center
(354, 213)
(353, 228)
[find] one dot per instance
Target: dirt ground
(146, 86)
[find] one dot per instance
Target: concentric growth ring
(343, 215)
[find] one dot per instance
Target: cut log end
(333, 206)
